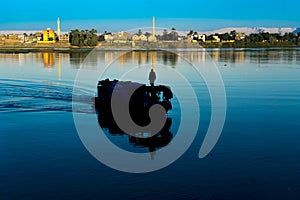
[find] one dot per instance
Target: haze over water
(257, 156)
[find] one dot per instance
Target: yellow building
(48, 36)
(216, 38)
(135, 38)
(240, 36)
(139, 38)
(143, 37)
(228, 41)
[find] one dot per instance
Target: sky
(113, 15)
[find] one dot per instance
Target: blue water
(256, 157)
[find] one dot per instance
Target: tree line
(84, 37)
(261, 39)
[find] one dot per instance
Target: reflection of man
(152, 77)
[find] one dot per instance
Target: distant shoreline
(4, 50)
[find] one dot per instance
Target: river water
(257, 155)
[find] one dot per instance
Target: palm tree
(93, 31)
(190, 33)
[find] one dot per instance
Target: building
(228, 41)
(30, 39)
(122, 37)
(240, 36)
(38, 36)
(13, 39)
(195, 37)
(142, 37)
(2, 37)
(216, 39)
(64, 38)
(135, 37)
(48, 36)
(107, 36)
(202, 37)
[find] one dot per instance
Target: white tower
(58, 29)
(152, 38)
(153, 26)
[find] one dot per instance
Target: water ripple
(39, 96)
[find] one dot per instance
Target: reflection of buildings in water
(233, 56)
(297, 57)
(108, 57)
(49, 60)
(139, 57)
(39, 57)
(15, 58)
(121, 60)
(77, 58)
(203, 56)
(59, 67)
(64, 57)
(288, 57)
(239, 56)
(168, 58)
(197, 56)
(144, 57)
(19, 58)
(61, 58)
(124, 58)
(216, 55)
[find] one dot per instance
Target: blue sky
(117, 14)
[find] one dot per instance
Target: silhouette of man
(152, 77)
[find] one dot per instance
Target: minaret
(153, 26)
(58, 29)
(152, 38)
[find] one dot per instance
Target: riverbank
(88, 49)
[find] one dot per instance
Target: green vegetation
(172, 36)
(84, 37)
(259, 40)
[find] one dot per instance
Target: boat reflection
(153, 143)
(140, 102)
(142, 99)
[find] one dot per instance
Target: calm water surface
(257, 156)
